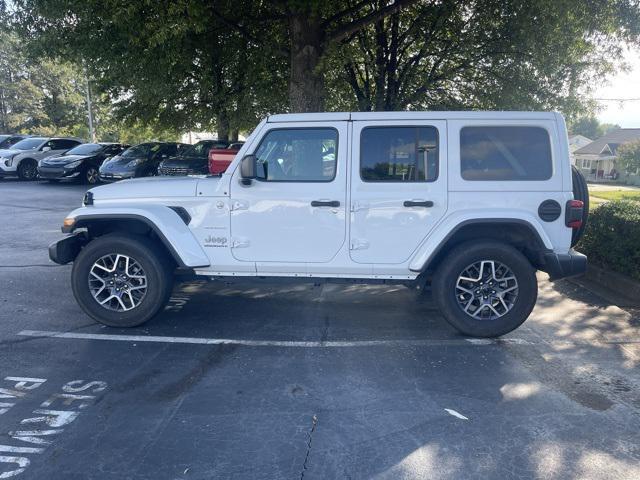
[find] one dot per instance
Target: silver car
(22, 159)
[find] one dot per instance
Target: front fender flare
(165, 222)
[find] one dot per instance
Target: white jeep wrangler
(471, 203)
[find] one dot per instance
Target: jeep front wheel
(485, 289)
(121, 280)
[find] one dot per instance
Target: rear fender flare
(450, 225)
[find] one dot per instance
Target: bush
(612, 237)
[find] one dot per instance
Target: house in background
(597, 160)
(576, 142)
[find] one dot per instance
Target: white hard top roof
(430, 115)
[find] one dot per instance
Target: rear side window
(399, 154)
(505, 153)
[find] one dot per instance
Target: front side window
(298, 155)
(505, 153)
(399, 154)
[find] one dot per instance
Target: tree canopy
(629, 157)
(187, 64)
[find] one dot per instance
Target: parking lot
(275, 380)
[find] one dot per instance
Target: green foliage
(612, 237)
(629, 157)
(44, 96)
(589, 126)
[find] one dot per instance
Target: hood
(189, 162)
(147, 187)
(64, 159)
(10, 152)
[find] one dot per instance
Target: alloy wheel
(117, 282)
(486, 290)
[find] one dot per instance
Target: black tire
(157, 267)
(28, 169)
(446, 277)
(580, 192)
(90, 175)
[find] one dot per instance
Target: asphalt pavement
(270, 380)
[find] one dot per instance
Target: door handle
(418, 203)
(325, 203)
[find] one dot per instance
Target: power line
(617, 99)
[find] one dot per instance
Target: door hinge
(359, 244)
(355, 206)
(239, 205)
(239, 242)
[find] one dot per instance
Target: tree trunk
(306, 83)
(234, 135)
(222, 126)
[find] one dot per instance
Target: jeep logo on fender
(212, 241)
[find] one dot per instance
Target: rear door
(398, 187)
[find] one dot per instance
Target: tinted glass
(298, 155)
(86, 149)
(28, 144)
(141, 150)
(399, 154)
(201, 149)
(505, 153)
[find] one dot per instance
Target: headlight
(7, 161)
(135, 163)
(73, 164)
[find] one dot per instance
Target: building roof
(607, 144)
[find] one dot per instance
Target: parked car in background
(80, 163)
(192, 161)
(220, 158)
(22, 159)
(7, 141)
(139, 161)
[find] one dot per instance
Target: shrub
(612, 237)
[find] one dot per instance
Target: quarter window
(505, 153)
(399, 154)
(298, 155)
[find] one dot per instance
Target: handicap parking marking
(44, 424)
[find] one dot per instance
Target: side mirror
(46, 149)
(248, 167)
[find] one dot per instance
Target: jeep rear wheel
(485, 289)
(121, 280)
(28, 169)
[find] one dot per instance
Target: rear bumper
(66, 250)
(562, 265)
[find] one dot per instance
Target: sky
(622, 85)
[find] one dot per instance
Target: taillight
(575, 211)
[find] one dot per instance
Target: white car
(21, 160)
(468, 203)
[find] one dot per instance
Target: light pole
(92, 133)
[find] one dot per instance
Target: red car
(220, 158)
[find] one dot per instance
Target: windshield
(29, 143)
(85, 149)
(141, 150)
(201, 149)
(3, 137)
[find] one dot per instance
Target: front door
(398, 187)
(297, 213)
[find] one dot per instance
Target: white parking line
(271, 343)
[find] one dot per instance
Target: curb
(625, 290)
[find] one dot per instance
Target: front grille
(175, 171)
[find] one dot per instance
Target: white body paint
(270, 228)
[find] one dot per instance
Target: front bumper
(57, 173)
(115, 176)
(66, 250)
(562, 265)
